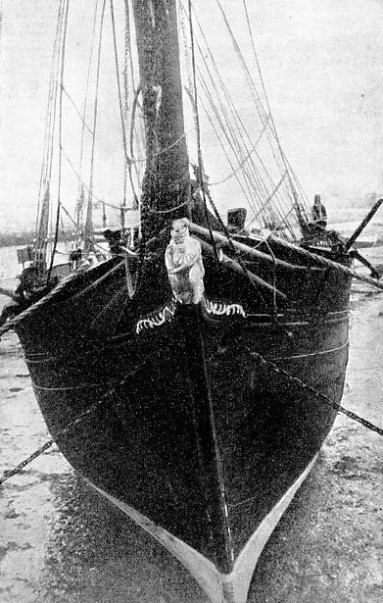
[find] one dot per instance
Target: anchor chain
(305, 386)
(263, 361)
(8, 473)
(18, 468)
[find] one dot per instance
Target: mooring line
(18, 468)
(348, 413)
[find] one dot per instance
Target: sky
(322, 64)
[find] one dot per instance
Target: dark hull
(193, 430)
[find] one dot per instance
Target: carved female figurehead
(183, 259)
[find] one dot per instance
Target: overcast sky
(323, 67)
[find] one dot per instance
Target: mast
(41, 236)
(88, 230)
(166, 182)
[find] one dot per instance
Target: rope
(86, 187)
(10, 473)
(248, 173)
(41, 302)
(51, 100)
(85, 125)
(253, 90)
(157, 153)
(266, 363)
(89, 219)
(53, 293)
(125, 86)
(200, 174)
(244, 190)
(85, 106)
(257, 178)
(246, 272)
(241, 163)
(42, 214)
(330, 263)
(256, 187)
(196, 114)
(128, 46)
(299, 208)
(64, 33)
(305, 386)
(131, 141)
(307, 254)
(44, 300)
(272, 194)
(168, 211)
(71, 219)
(124, 141)
(222, 119)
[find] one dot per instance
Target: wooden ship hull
(201, 426)
(198, 418)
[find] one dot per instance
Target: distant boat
(208, 351)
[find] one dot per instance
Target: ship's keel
(219, 587)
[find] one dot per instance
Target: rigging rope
(272, 194)
(330, 263)
(253, 178)
(89, 219)
(47, 163)
(52, 294)
(227, 130)
(223, 118)
(253, 90)
(238, 125)
(200, 175)
(64, 34)
(125, 78)
(247, 156)
(219, 138)
(70, 218)
(94, 196)
(92, 133)
(260, 75)
(120, 103)
(198, 130)
(81, 118)
(139, 176)
(128, 160)
(168, 211)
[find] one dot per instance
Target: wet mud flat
(61, 542)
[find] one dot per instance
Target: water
(61, 542)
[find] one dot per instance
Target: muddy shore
(60, 542)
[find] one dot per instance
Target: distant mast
(166, 182)
(41, 236)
